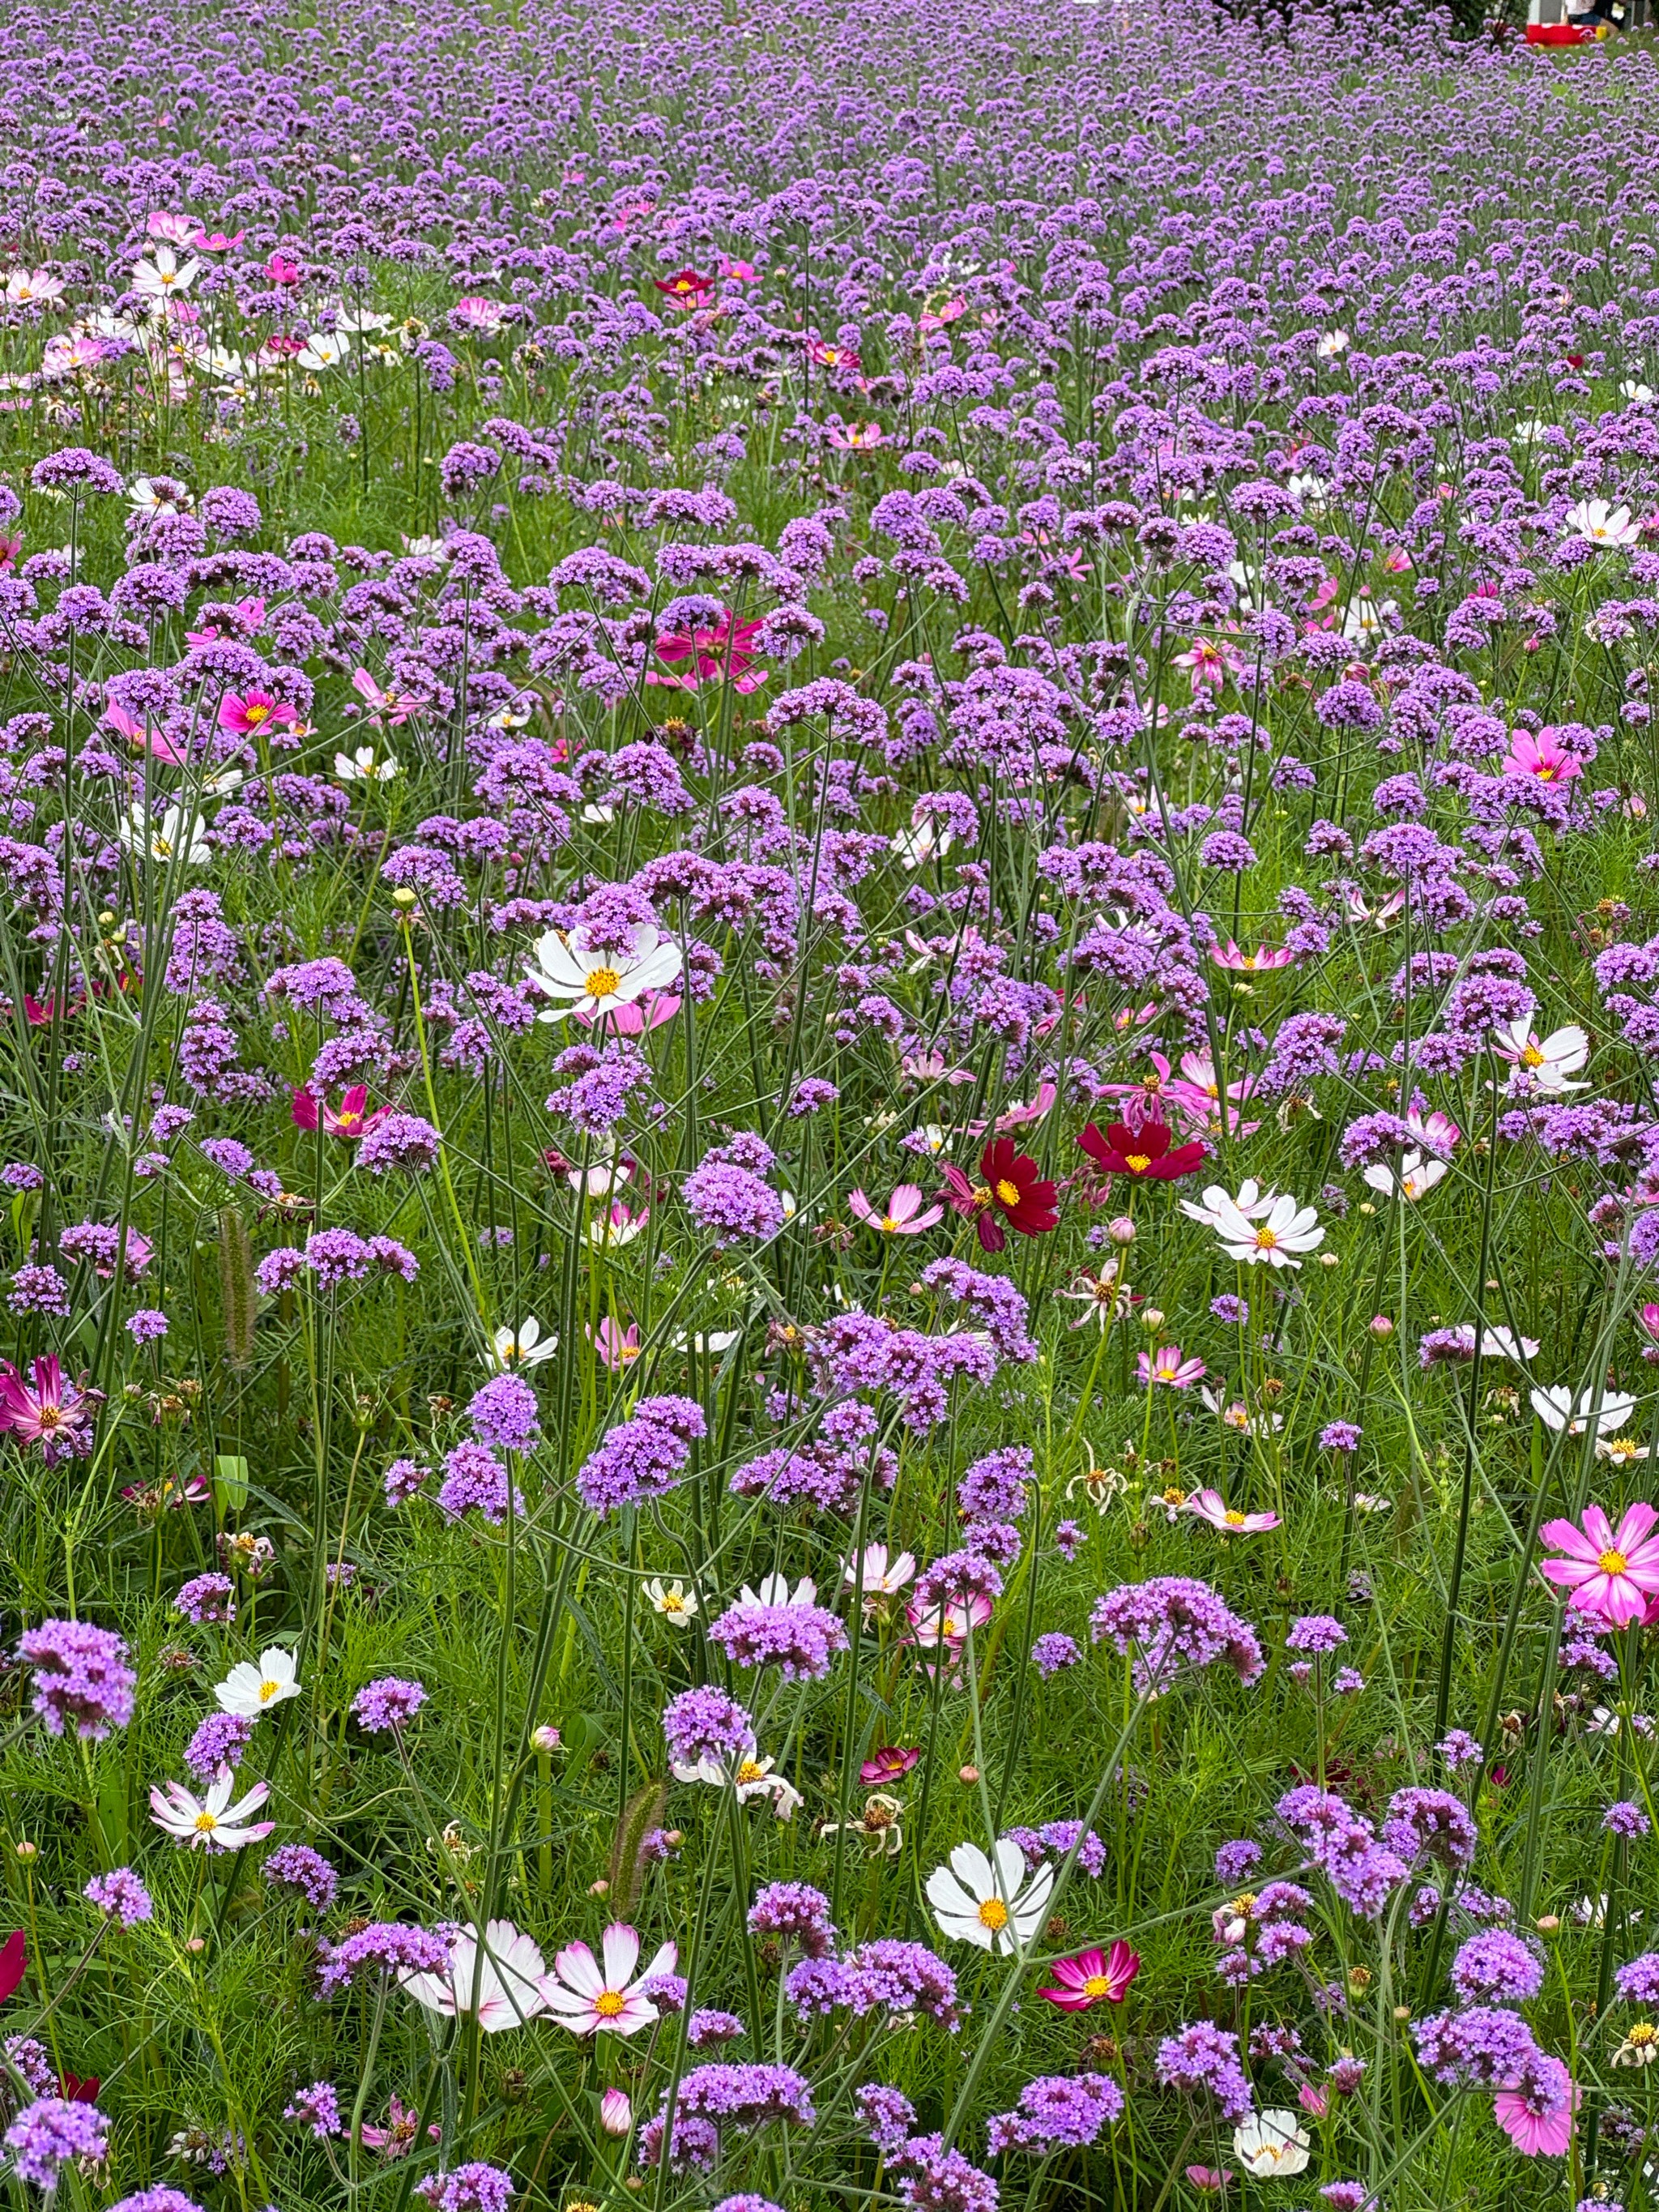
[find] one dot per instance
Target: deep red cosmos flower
(1009, 1189)
(1143, 1152)
(686, 288)
(891, 1763)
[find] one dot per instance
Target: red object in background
(1556, 34)
(75, 2091)
(13, 1962)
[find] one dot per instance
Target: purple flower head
(47, 2135)
(705, 1727)
(1052, 1652)
(316, 2108)
(205, 1598)
(1056, 2112)
(220, 1740)
(504, 1414)
(387, 1706)
(1497, 1967)
(385, 1946)
(82, 1678)
(296, 1866)
(119, 1895)
(796, 1913)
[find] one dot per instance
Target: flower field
(828, 1055)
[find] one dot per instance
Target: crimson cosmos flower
(1010, 1189)
(1143, 1152)
(1091, 1979)
(686, 287)
(891, 1763)
(55, 1413)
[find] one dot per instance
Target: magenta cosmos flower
(1544, 756)
(726, 650)
(54, 1414)
(246, 712)
(597, 1996)
(1610, 1573)
(1091, 1978)
(1534, 2133)
(1167, 1366)
(351, 1121)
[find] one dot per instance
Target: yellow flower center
(1137, 1162)
(1175, 1497)
(1008, 1191)
(206, 1822)
(254, 713)
(673, 1602)
(1248, 961)
(1097, 1986)
(601, 983)
(268, 1689)
(1243, 1905)
(609, 2003)
(748, 1771)
(1622, 1449)
(982, 1195)
(1265, 1240)
(1233, 1519)
(994, 1914)
(889, 1224)
(1612, 1563)
(1642, 2033)
(347, 1118)
(1532, 1057)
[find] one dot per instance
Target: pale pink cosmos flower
(1166, 1365)
(1209, 1506)
(1543, 756)
(1612, 1573)
(883, 1575)
(603, 1996)
(949, 1621)
(498, 1982)
(649, 1013)
(1547, 1060)
(857, 437)
(1209, 663)
(173, 230)
(904, 1216)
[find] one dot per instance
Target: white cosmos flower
(672, 1600)
(424, 549)
(34, 287)
(1556, 1410)
(248, 1691)
(496, 1981)
(159, 280)
(990, 1902)
(1331, 344)
(1274, 1229)
(1503, 1344)
(361, 767)
(211, 1823)
(1248, 1202)
(176, 837)
(923, 843)
(1548, 1061)
(1417, 1175)
(1271, 2143)
(595, 981)
(324, 349)
(1602, 523)
(749, 1774)
(884, 1573)
(524, 1347)
(774, 1590)
(1310, 493)
(1638, 394)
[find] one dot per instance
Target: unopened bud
(404, 898)
(615, 2112)
(544, 1739)
(28, 1852)
(1382, 1328)
(1122, 1230)
(1548, 1924)
(196, 1945)
(599, 1888)
(1153, 1318)
(969, 1774)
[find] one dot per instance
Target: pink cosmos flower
(141, 737)
(1533, 2133)
(397, 2138)
(857, 437)
(1250, 963)
(174, 229)
(213, 241)
(282, 271)
(350, 1121)
(591, 1998)
(1208, 1505)
(1166, 1365)
(1017, 1116)
(949, 1621)
(1312, 2098)
(649, 1012)
(742, 272)
(904, 1216)
(726, 650)
(891, 1763)
(1208, 2181)
(247, 712)
(56, 1413)
(1209, 663)
(392, 707)
(618, 1348)
(1091, 1979)
(1612, 1573)
(241, 619)
(832, 357)
(1544, 756)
